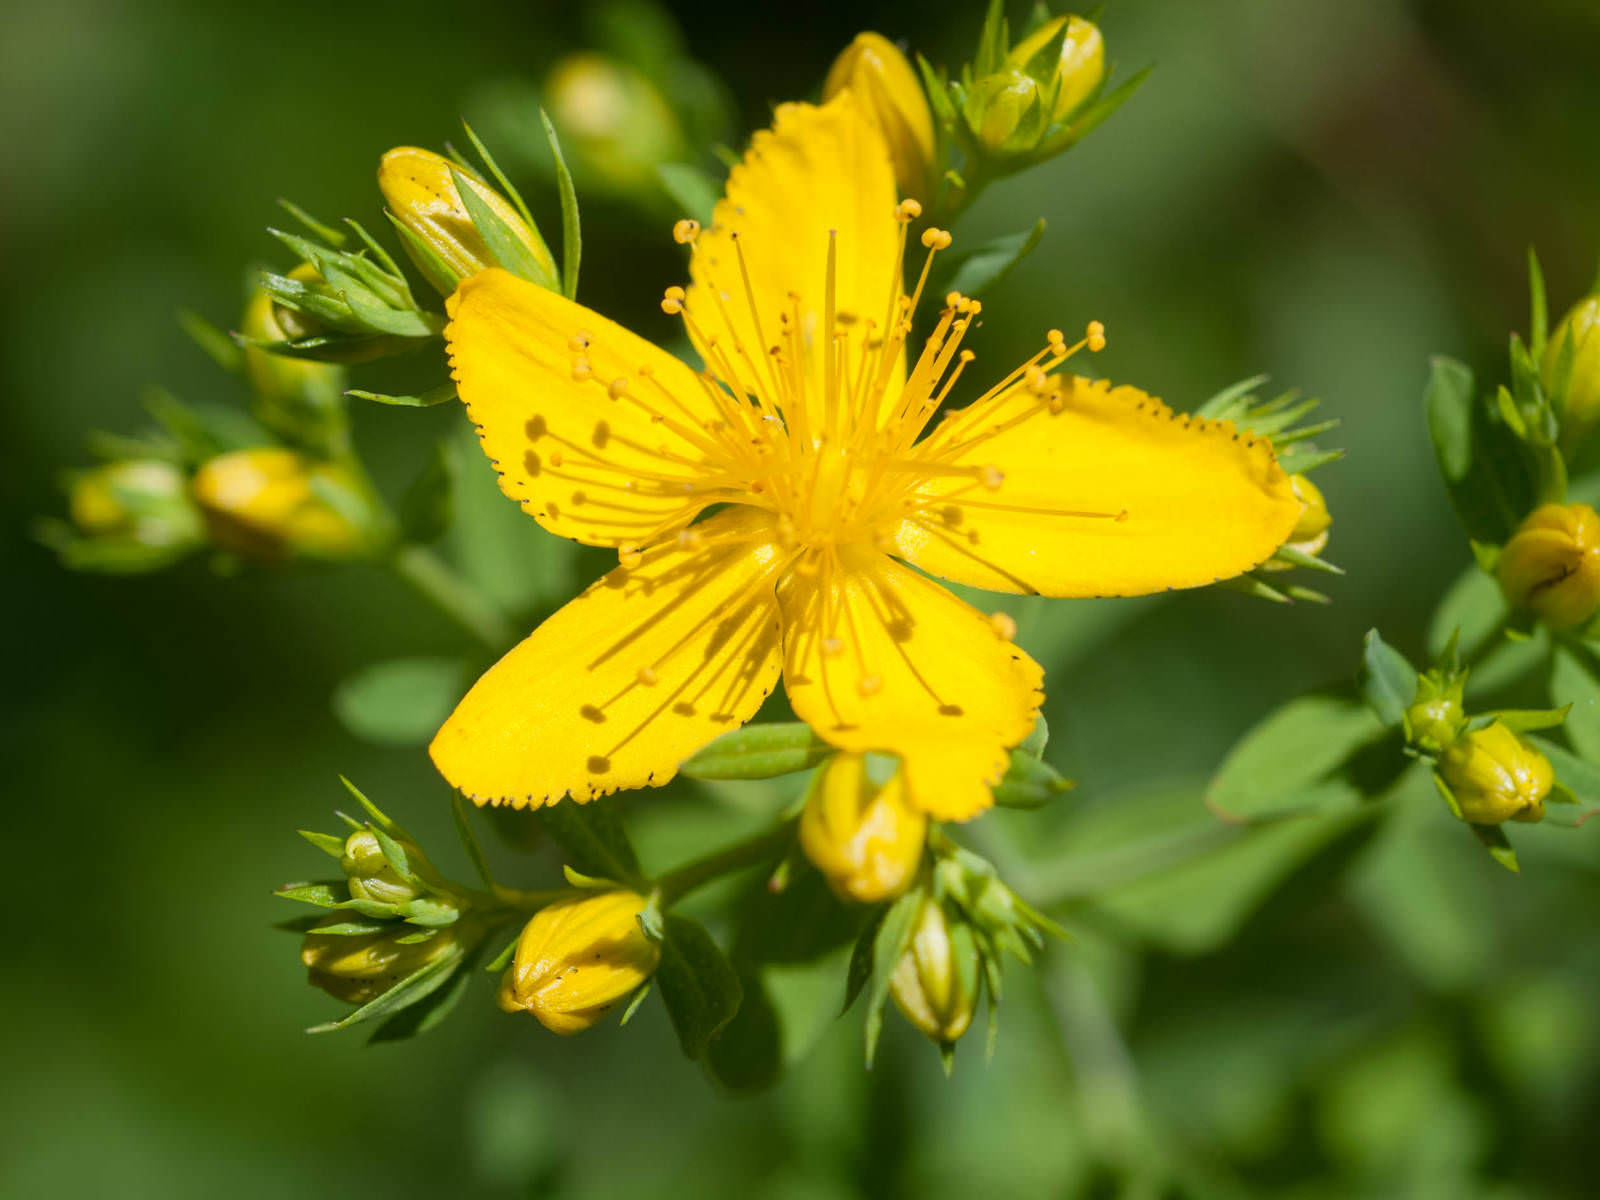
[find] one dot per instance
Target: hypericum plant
(776, 509)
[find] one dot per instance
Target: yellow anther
(967, 356)
(907, 211)
(953, 300)
(935, 239)
(869, 685)
(672, 301)
(973, 307)
(617, 386)
(1096, 337)
(992, 477)
(580, 368)
(580, 341)
(1057, 340)
(1004, 625)
(832, 647)
(685, 231)
(647, 677)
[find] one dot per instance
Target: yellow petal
(820, 171)
(1114, 494)
(628, 680)
(879, 658)
(596, 432)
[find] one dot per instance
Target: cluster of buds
(1550, 568)
(133, 514)
(271, 503)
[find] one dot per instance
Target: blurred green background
(1326, 190)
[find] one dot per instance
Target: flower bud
(865, 839)
(1434, 724)
(577, 958)
(271, 502)
(293, 396)
(1080, 68)
(887, 86)
(369, 874)
(421, 193)
(1581, 326)
(1496, 776)
(145, 500)
(612, 119)
(1551, 566)
(935, 982)
(1002, 112)
(358, 968)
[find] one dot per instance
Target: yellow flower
(577, 957)
(421, 193)
(1581, 326)
(866, 840)
(935, 982)
(890, 93)
(1496, 776)
(269, 502)
(1082, 64)
(1551, 566)
(819, 450)
(358, 968)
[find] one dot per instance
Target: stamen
(685, 231)
(1095, 337)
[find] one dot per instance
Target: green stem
(450, 594)
(676, 884)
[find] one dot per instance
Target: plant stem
(676, 884)
(450, 594)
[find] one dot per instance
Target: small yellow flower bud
(270, 502)
(612, 120)
(358, 968)
(1081, 67)
(1581, 326)
(931, 985)
(577, 958)
(369, 874)
(290, 392)
(865, 839)
(1551, 566)
(879, 76)
(1434, 724)
(146, 500)
(997, 108)
(421, 193)
(1496, 776)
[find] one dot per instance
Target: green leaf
(799, 924)
(1484, 465)
(1029, 783)
(442, 394)
(507, 249)
(747, 1055)
(888, 945)
(985, 266)
(401, 702)
(699, 986)
(428, 506)
(1292, 762)
(413, 989)
(571, 231)
(426, 1013)
(692, 190)
(758, 752)
(1387, 680)
(1573, 679)
(592, 838)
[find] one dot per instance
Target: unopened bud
(1581, 404)
(270, 502)
(935, 982)
(1434, 724)
(1496, 776)
(369, 873)
(1310, 532)
(293, 396)
(358, 968)
(612, 120)
(866, 840)
(1079, 69)
(1551, 566)
(1003, 112)
(420, 189)
(879, 76)
(577, 958)
(144, 500)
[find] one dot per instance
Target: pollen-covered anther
(1057, 340)
(685, 231)
(617, 386)
(647, 677)
(967, 356)
(1095, 337)
(907, 211)
(672, 301)
(869, 685)
(935, 239)
(1003, 624)
(991, 477)
(581, 369)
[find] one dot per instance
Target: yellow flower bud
(358, 968)
(577, 958)
(421, 193)
(935, 983)
(368, 873)
(1496, 776)
(1082, 64)
(146, 500)
(612, 119)
(1434, 724)
(887, 86)
(1551, 566)
(866, 840)
(1581, 327)
(269, 502)
(998, 107)
(277, 378)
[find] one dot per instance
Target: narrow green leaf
(217, 345)
(888, 945)
(327, 233)
(415, 987)
(424, 1014)
(505, 247)
(442, 394)
(460, 810)
(571, 231)
(326, 842)
(1387, 680)
(326, 893)
(699, 986)
(1538, 307)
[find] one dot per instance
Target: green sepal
(503, 959)
(1521, 720)
(1493, 839)
(442, 394)
(1029, 783)
(508, 250)
(424, 1013)
(328, 843)
(571, 230)
(758, 752)
(889, 943)
(634, 1002)
(697, 983)
(1038, 738)
(352, 928)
